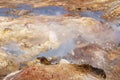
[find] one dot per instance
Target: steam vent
(59, 39)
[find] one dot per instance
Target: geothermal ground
(60, 40)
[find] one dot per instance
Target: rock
(19, 12)
(3, 19)
(113, 13)
(72, 5)
(26, 37)
(91, 54)
(63, 61)
(44, 60)
(55, 32)
(8, 64)
(82, 40)
(96, 56)
(58, 72)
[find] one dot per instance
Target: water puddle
(3, 12)
(93, 14)
(24, 9)
(50, 10)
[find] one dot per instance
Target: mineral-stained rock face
(59, 72)
(7, 64)
(113, 64)
(43, 33)
(81, 40)
(91, 45)
(98, 57)
(113, 12)
(27, 37)
(90, 54)
(85, 4)
(95, 27)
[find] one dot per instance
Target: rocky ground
(59, 40)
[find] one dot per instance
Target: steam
(107, 37)
(61, 51)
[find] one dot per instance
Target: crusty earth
(80, 40)
(61, 71)
(32, 35)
